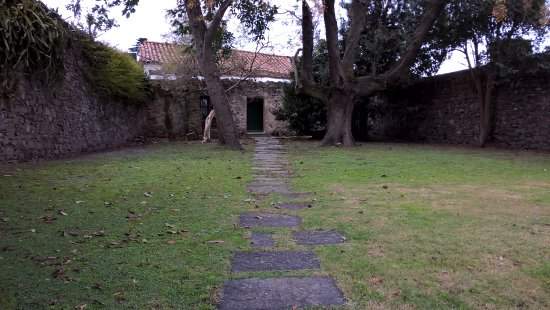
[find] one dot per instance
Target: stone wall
(271, 93)
(67, 118)
(445, 109)
(174, 111)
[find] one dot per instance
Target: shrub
(114, 74)
(32, 41)
(305, 115)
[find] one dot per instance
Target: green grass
(140, 262)
(432, 227)
(427, 227)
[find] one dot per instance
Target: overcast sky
(150, 22)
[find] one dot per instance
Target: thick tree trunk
(484, 83)
(227, 131)
(340, 116)
(203, 36)
(486, 108)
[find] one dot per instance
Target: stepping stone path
(261, 240)
(249, 220)
(274, 261)
(272, 175)
(281, 293)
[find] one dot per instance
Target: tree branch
(196, 21)
(358, 16)
(331, 26)
(367, 85)
(216, 21)
(307, 33)
(426, 23)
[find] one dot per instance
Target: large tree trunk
(227, 130)
(484, 84)
(486, 108)
(340, 116)
(203, 36)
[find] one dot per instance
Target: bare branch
(358, 16)
(331, 27)
(428, 19)
(216, 21)
(307, 33)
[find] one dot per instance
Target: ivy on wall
(34, 42)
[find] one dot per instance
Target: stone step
(262, 240)
(257, 219)
(274, 261)
(281, 293)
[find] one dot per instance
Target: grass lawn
(427, 227)
(432, 227)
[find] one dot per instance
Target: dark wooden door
(255, 115)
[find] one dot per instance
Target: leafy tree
(380, 43)
(94, 21)
(490, 34)
(305, 115)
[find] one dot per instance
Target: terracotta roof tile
(239, 62)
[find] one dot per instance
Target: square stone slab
(268, 220)
(262, 240)
(294, 206)
(318, 237)
(274, 261)
(280, 293)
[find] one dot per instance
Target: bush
(305, 115)
(115, 74)
(32, 41)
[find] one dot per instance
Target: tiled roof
(239, 62)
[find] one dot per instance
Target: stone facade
(272, 95)
(46, 122)
(175, 111)
(445, 109)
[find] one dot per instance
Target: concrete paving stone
(274, 261)
(281, 294)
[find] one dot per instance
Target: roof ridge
(235, 49)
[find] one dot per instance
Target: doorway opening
(255, 115)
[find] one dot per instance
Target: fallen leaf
(81, 307)
(4, 220)
(61, 212)
(48, 219)
(79, 202)
(216, 242)
(148, 194)
(376, 281)
(33, 230)
(100, 233)
(169, 225)
(108, 204)
(171, 242)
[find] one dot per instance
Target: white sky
(149, 21)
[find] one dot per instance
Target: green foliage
(114, 74)
(305, 115)
(390, 24)
(32, 41)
